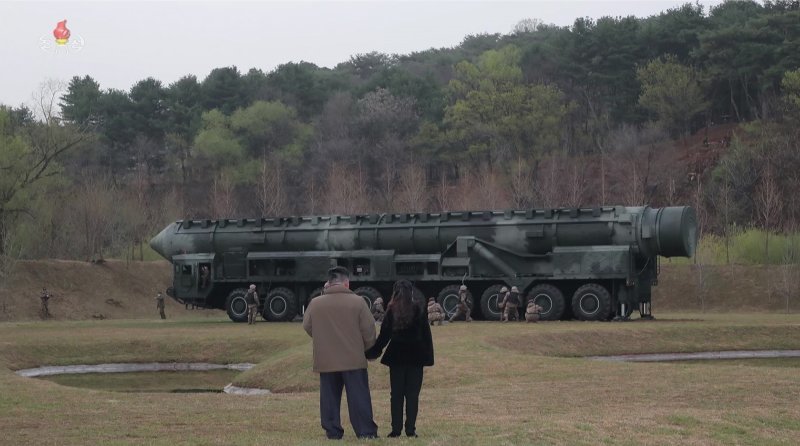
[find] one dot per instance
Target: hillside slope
(117, 289)
(81, 290)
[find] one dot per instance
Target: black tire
(280, 305)
(448, 298)
(489, 300)
(591, 302)
(369, 295)
(236, 305)
(550, 298)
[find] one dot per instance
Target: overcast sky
(119, 43)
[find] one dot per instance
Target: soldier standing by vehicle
(501, 301)
(205, 274)
(44, 311)
(533, 312)
(251, 297)
(462, 309)
(160, 305)
(511, 302)
(377, 310)
(435, 312)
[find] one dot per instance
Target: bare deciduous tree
(412, 194)
(95, 210)
(272, 198)
(223, 200)
(528, 25)
(489, 193)
(443, 195)
(672, 192)
(633, 191)
(521, 184)
(546, 185)
(768, 204)
(141, 223)
(346, 191)
(462, 194)
(8, 257)
(28, 164)
(576, 186)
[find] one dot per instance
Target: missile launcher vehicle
(585, 263)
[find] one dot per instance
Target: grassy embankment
(514, 384)
(120, 290)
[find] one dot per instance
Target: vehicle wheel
(591, 302)
(369, 295)
(448, 298)
(489, 300)
(236, 305)
(550, 299)
(281, 305)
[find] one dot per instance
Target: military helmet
(504, 290)
(514, 289)
(462, 288)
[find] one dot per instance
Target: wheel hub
(544, 301)
(238, 306)
(590, 303)
(449, 303)
(277, 305)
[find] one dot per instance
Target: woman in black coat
(410, 348)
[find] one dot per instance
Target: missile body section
(587, 263)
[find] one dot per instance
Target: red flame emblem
(61, 33)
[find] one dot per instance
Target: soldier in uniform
(462, 309)
(511, 302)
(205, 274)
(435, 312)
(533, 311)
(160, 305)
(501, 301)
(251, 297)
(377, 310)
(44, 311)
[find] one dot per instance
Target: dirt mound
(81, 290)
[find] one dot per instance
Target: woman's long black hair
(402, 305)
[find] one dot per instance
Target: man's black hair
(338, 274)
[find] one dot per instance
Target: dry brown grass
(492, 384)
(82, 290)
(733, 288)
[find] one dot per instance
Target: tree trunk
(2, 233)
(733, 102)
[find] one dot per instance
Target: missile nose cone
(159, 242)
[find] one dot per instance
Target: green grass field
(493, 384)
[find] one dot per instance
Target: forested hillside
(687, 107)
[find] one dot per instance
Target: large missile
(668, 231)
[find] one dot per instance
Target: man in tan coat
(342, 328)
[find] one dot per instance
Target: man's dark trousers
(359, 403)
